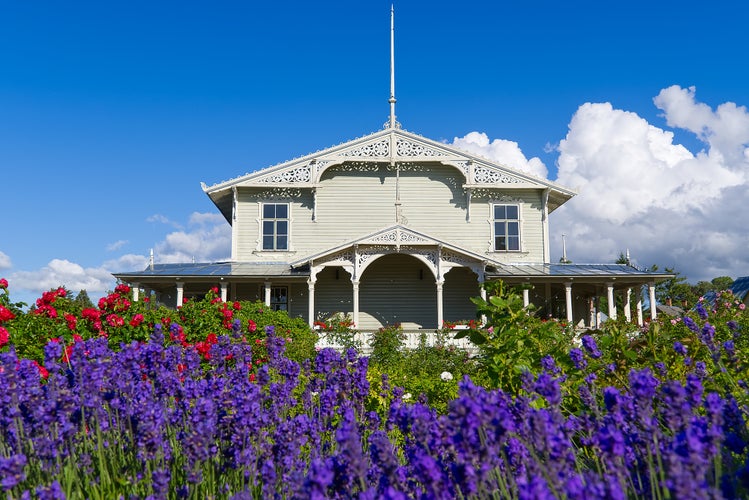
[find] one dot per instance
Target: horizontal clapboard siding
(397, 288)
(352, 203)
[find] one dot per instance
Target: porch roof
(217, 269)
(587, 272)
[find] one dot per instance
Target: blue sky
(111, 114)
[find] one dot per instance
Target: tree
(83, 300)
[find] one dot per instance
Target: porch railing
(412, 341)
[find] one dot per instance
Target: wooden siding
(334, 293)
(352, 203)
(460, 285)
(397, 288)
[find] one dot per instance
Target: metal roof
(236, 269)
(573, 271)
(740, 287)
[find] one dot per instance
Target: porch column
(526, 299)
(610, 300)
(311, 302)
(482, 294)
(355, 284)
(180, 293)
(628, 304)
(568, 297)
(640, 321)
(653, 312)
(267, 293)
(440, 311)
(224, 286)
(136, 291)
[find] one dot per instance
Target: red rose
(5, 314)
(4, 336)
(3, 283)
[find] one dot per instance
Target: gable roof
(395, 236)
(388, 145)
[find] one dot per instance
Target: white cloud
(116, 245)
(501, 151)
(60, 272)
(640, 190)
(162, 219)
(5, 261)
(208, 239)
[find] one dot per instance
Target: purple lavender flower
(548, 387)
(549, 365)
(701, 311)
(11, 470)
(589, 343)
(689, 322)
(578, 358)
(680, 348)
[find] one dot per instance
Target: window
(275, 226)
(506, 228)
(279, 297)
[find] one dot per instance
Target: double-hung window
(506, 228)
(275, 226)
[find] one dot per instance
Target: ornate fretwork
(356, 166)
(278, 192)
(484, 175)
(343, 257)
(428, 254)
(378, 149)
(295, 176)
(397, 237)
(463, 166)
(320, 166)
(364, 254)
(409, 167)
(409, 148)
(454, 258)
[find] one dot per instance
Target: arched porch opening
(398, 288)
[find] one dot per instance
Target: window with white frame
(506, 221)
(275, 226)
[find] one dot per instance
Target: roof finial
(392, 67)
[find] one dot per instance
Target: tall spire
(392, 67)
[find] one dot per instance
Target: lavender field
(237, 417)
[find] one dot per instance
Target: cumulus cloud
(5, 262)
(500, 151)
(639, 190)
(61, 272)
(207, 239)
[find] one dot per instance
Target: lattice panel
(484, 175)
(295, 176)
(377, 149)
(408, 148)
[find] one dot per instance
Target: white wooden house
(394, 228)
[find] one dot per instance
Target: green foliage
(513, 341)
(339, 330)
(122, 321)
(387, 346)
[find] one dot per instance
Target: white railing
(412, 341)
